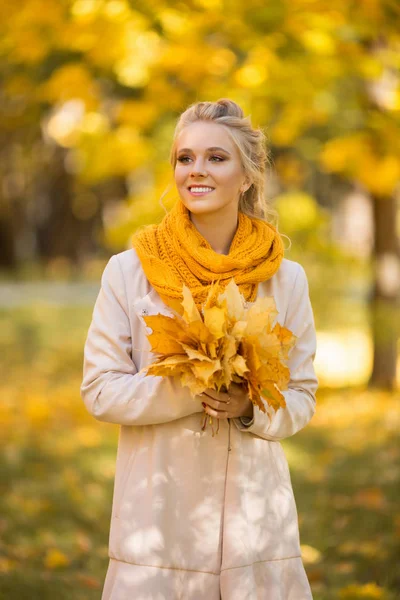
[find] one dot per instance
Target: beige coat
(196, 517)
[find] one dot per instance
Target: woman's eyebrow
(212, 149)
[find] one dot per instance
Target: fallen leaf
(371, 497)
(55, 558)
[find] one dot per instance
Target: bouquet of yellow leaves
(226, 341)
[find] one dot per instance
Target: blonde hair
(250, 142)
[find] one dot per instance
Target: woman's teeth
(201, 189)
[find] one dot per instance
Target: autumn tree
(92, 89)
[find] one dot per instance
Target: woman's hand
(227, 405)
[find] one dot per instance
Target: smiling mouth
(197, 190)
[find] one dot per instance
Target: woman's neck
(219, 231)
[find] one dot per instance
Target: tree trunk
(61, 230)
(8, 258)
(385, 294)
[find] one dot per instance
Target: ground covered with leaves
(58, 468)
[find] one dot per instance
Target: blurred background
(89, 97)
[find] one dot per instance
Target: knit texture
(174, 252)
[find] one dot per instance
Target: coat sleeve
(300, 395)
(112, 388)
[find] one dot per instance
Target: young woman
(197, 517)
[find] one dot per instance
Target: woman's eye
(183, 159)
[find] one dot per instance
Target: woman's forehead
(202, 136)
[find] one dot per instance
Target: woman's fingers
(221, 397)
(214, 408)
(219, 414)
(218, 406)
(215, 404)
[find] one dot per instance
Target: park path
(23, 293)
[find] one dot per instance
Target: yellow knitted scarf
(174, 252)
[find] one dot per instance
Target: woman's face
(208, 158)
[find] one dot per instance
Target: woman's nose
(198, 169)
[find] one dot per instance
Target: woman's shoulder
(130, 269)
(289, 272)
(287, 283)
(128, 260)
(288, 286)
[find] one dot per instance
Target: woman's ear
(245, 186)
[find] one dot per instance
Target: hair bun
(230, 108)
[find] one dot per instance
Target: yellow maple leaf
(286, 337)
(215, 321)
(169, 328)
(212, 295)
(225, 342)
(204, 371)
(249, 345)
(190, 310)
(233, 300)
(261, 315)
(239, 329)
(275, 371)
(274, 397)
(269, 345)
(239, 365)
(163, 344)
(198, 332)
(188, 379)
(195, 354)
(211, 349)
(169, 366)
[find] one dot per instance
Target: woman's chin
(201, 205)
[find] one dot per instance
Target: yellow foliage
(292, 121)
(252, 75)
(173, 21)
(298, 211)
(221, 62)
(343, 153)
(355, 156)
(136, 113)
(228, 341)
(369, 591)
(55, 558)
(310, 555)
(7, 564)
(88, 437)
(106, 153)
(380, 175)
(372, 498)
(30, 47)
(37, 409)
(71, 81)
(319, 42)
